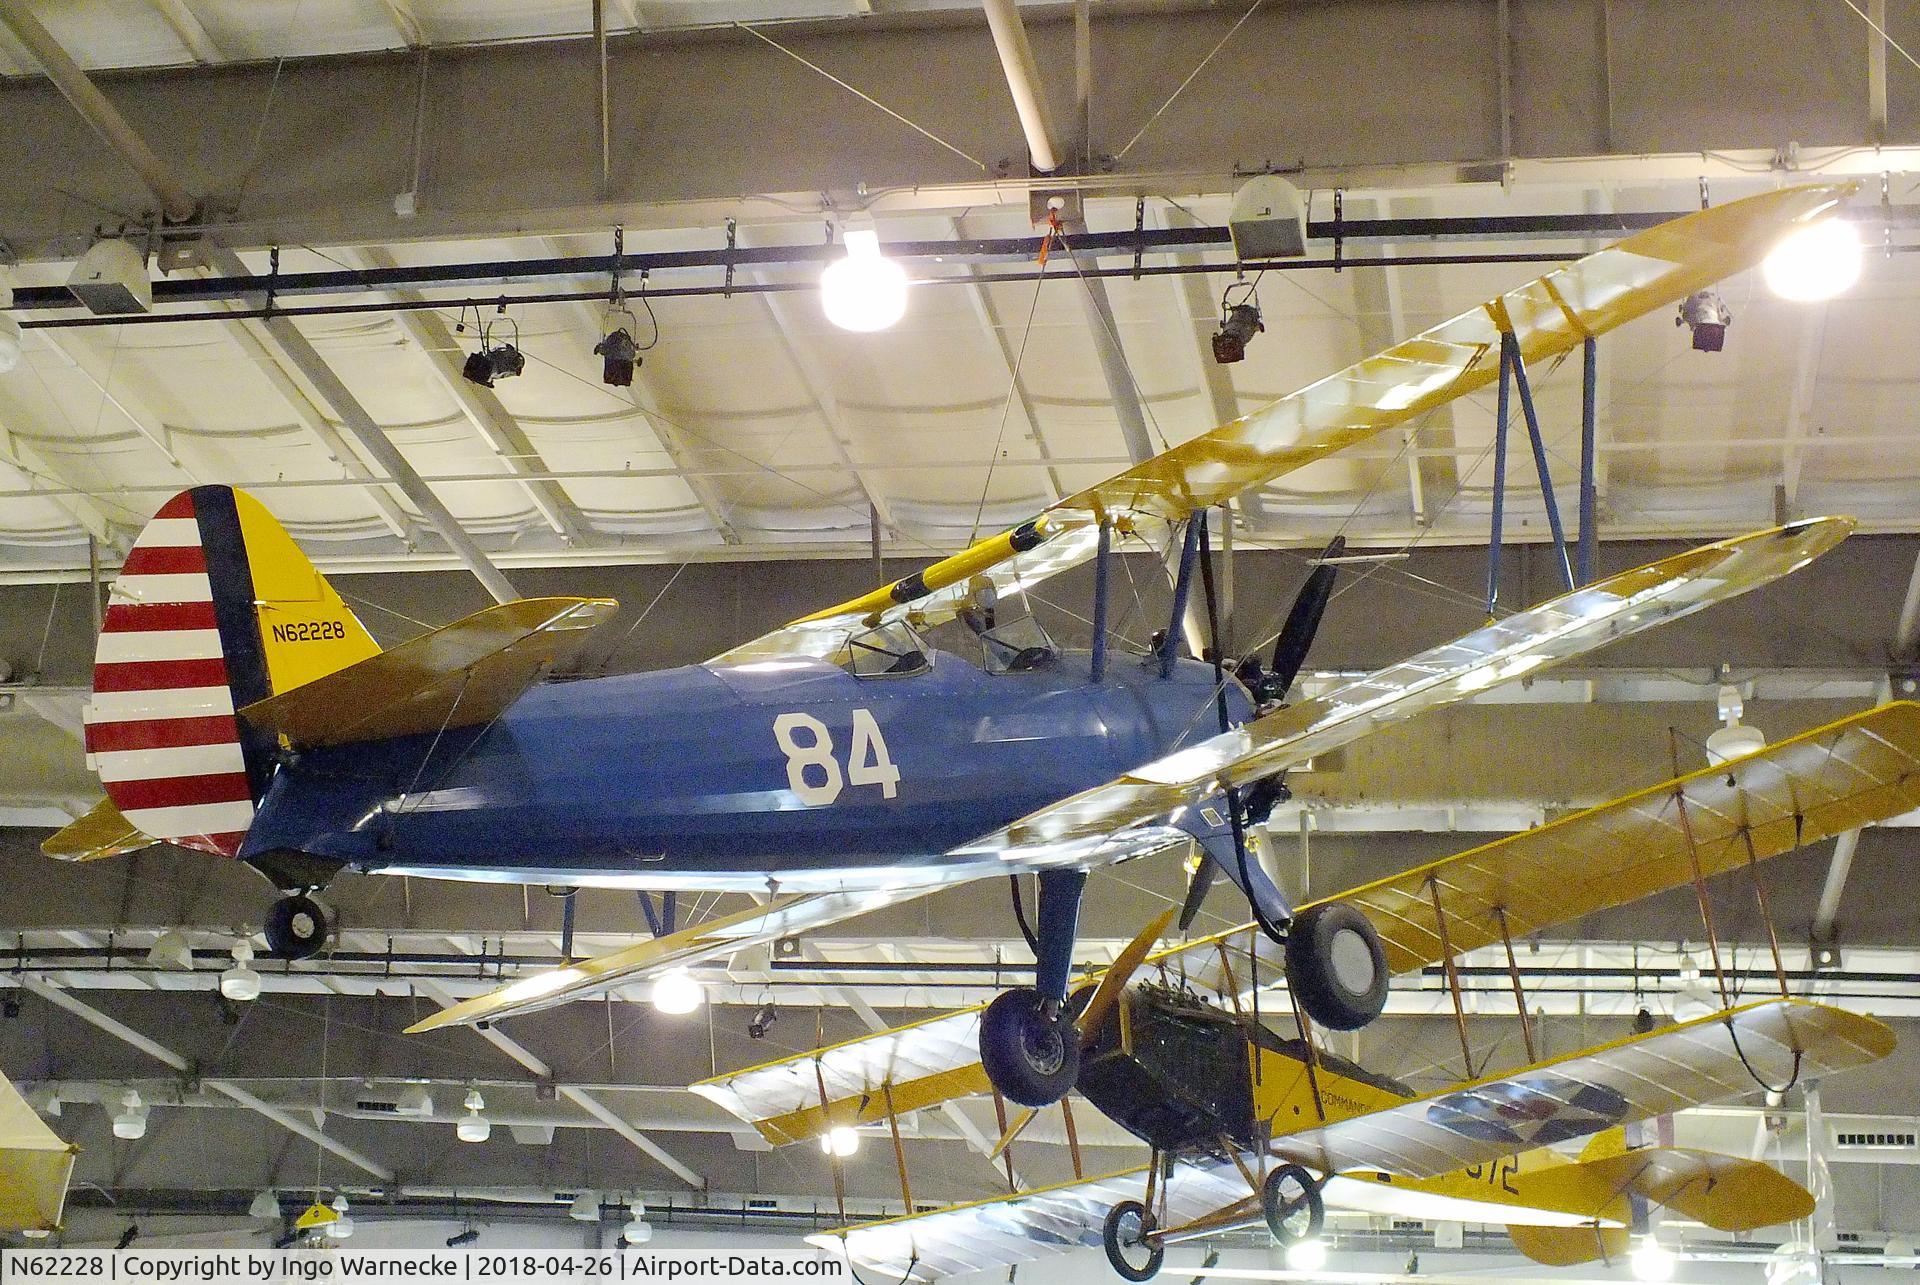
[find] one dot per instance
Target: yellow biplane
(1244, 1126)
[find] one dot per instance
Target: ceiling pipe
(176, 203)
(1023, 80)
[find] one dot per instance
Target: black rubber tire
(1029, 1057)
(1323, 966)
(1286, 1190)
(1111, 1240)
(297, 927)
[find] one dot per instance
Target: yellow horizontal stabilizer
(1571, 1246)
(101, 833)
(461, 675)
(1551, 315)
(1727, 1193)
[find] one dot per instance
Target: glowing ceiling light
(678, 992)
(865, 291)
(1308, 1255)
(131, 1121)
(1652, 1261)
(840, 1141)
(1814, 263)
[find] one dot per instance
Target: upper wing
(102, 832)
(1724, 1055)
(460, 675)
(1850, 773)
(1075, 829)
(1550, 315)
(1026, 1225)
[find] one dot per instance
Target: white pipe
(1023, 81)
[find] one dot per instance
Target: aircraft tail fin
(215, 608)
(1605, 1144)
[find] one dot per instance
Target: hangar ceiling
(745, 476)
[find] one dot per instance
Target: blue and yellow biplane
(841, 762)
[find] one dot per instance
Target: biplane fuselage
(728, 776)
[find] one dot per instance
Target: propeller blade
(1290, 648)
(1197, 887)
(1116, 978)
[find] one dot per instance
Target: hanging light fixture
(171, 949)
(866, 291)
(585, 1207)
(240, 983)
(678, 992)
(1652, 1261)
(493, 361)
(473, 1126)
(265, 1206)
(130, 1122)
(1239, 323)
(1814, 263)
(342, 1227)
(1706, 316)
(638, 1230)
(840, 1141)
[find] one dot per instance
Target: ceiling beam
(161, 1053)
(581, 1098)
(485, 413)
(38, 471)
(186, 24)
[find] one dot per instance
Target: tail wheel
(1336, 966)
(1031, 1055)
(297, 927)
(1290, 1199)
(1128, 1238)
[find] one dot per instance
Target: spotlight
(473, 1127)
(9, 333)
(171, 949)
(489, 364)
(341, 1227)
(865, 291)
(1308, 1255)
(240, 983)
(1706, 314)
(1652, 1261)
(619, 355)
(762, 1021)
(638, 1230)
(1814, 263)
(265, 1206)
(130, 1122)
(1240, 324)
(840, 1141)
(585, 1207)
(466, 1237)
(678, 992)
(1642, 1021)
(127, 1237)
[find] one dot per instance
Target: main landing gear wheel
(297, 927)
(1290, 1199)
(1126, 1236)
(1336, 966)
(1030, 1049)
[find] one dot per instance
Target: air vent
(763, 1204)
(1875, 1141)
(375, 1106)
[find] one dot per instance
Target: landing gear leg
(298, 927)
(1028, 1042)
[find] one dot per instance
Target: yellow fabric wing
(1550, 315)
(460, 675)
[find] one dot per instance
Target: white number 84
(814, 775)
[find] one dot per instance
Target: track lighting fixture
(763, 1021)
(171, 949)
(1239, 323)
(461, 1238)
(494, 360)
(127, 1237)
(1707, 316)
(618, 354)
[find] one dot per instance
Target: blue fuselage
(725, 777)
